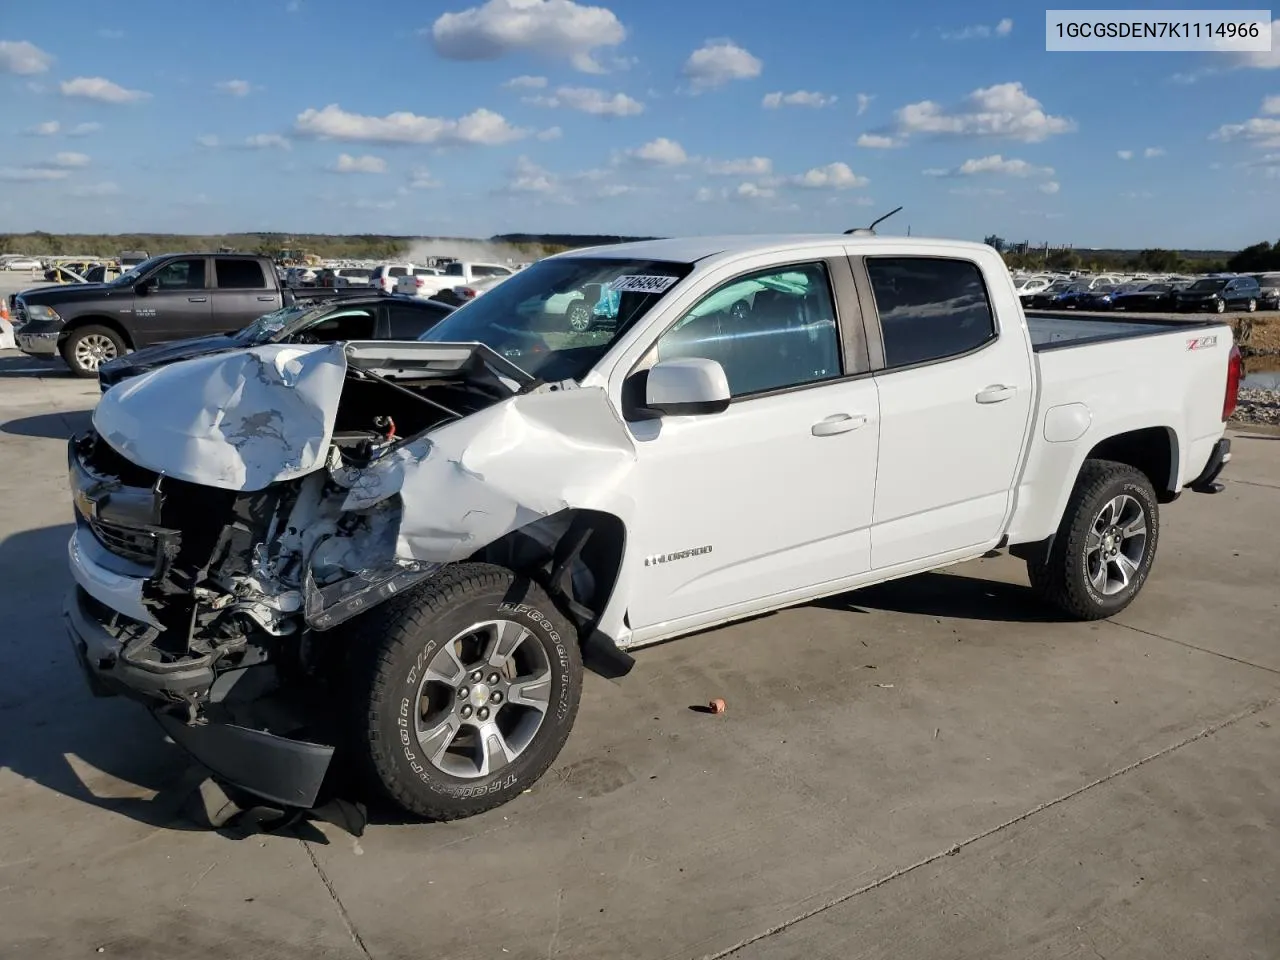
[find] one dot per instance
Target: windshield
(135, 274)
(269, 325)
(557, 318)
(1209, 283)
(1158, 287)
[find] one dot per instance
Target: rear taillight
(466, 293)
(1235, 369)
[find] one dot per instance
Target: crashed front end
(232, 509)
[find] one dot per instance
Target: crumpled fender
(237, 421)
(475, 480)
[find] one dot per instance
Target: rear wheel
(1220, 306)
(1253, 306)
(465, 691)
(88, 348)
(1105, 545)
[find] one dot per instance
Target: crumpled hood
(237, 421)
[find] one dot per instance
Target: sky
(636, 117)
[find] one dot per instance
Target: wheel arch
(94, 320)
(1154, 451)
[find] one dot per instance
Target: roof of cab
(694, 249)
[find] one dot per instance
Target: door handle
(996, 393)
(838, 423)
(266, 299)
(197, 299)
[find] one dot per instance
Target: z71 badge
(657, 558)
(1200, 343)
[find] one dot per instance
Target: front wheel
(1106, 543)
(88, 348)
(1220, 306)
(579, 316)
(1253, 306)
(465, 690)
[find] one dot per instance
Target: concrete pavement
(932, 768)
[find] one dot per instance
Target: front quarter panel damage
(471, 482)
(239, 421)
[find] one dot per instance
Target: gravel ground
(1258, 406)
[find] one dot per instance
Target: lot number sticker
(639, 284)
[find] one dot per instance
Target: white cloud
(104, 189)
(209, 140)
(1263, 131)
(84, 129)
(875, 141)
(1271, 105)
(1151, 152)
(367, 163)
(47, 129)
(478, 127)
(1262, 59)
(1004, 111)
(551, 133)
(834, 176)
(754, 191)
(528, 177)
(981, 31)
(19, 56)
(420, 178)
(1124, 154)
(977, 192)
(800, 98)
(554, 28)
(68, 159)
(660, 152)
(864, 101)
(590, 100)
(267, 141)
(704, 195)
(745, 167)
(237, 88)
(526, 82)
(33, 173)
(610, 190)
(1050, 187)
(718, 62)
(999, 165)
(100, 89)
(936, 172)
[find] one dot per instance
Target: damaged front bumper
(288, 772)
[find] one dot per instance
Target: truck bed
(1051, 331)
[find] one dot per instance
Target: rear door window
(409, 322)
(181, 275)
(930, 308)
(238, 274)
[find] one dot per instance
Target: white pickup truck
(437, 533)
(458, 273)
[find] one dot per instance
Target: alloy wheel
(94, 350)
(1116, 545)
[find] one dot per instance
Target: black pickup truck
(169, 297)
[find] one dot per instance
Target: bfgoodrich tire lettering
(1107, 497)
(398, 650)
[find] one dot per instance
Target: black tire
(392, 646)
(74, 355)
(578, 316)
(1220, 306)
(1253, 306)
(1062, 578)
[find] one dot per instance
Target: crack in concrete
(1192, 646)
(1257, 483)
(337, 902)
(1208, 731)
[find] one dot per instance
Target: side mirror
(687, 387)
(143, 287)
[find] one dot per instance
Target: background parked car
(1148, 296)
(1268, 290)
(384, 277)
(375, 317)
(1219, 294)
(23, 263)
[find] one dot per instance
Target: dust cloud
(478, 250)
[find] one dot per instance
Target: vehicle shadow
(108, 753)
(61, 425)
(34, 368)
(949, 595)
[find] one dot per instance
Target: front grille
(19, 313)
(140, 546)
